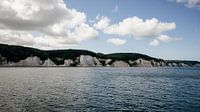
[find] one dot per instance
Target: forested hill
(15, 54)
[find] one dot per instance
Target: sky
(168, 29)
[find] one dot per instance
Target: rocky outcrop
(107, 61)
(120, 64)
(30, 61)
(2, 60)
(183, 65)
(48, 62)
(143, 63)
(147, 63)
(158, 64)
(197, 65)
(89, 61)
(172, 64)
(68, 63)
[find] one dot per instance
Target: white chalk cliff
(120, 64)
(89, 61)
(30, 61)
(143, 63)
(2, 60)
(48, 62)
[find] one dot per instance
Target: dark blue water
(99, 89)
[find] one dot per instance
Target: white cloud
(155, 42)
(135, 27)
(165, 38)
(162, 39)
(116, 9)
(116, 41)
(57, 25)
(83, 32)
(46, 41)
(103, 23)
(190, 3)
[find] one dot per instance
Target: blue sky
(187, 26)
(168, 29)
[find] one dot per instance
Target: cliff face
(68, 63)
(30, 61)
(151, 63)
(2, 60)
(89, 61)
(120, 64)
(143, 63)
(47, 62)
(24, 56)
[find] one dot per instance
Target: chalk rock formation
(143, 63)
(120, 64)
(30, 61)
(158, 64)
(172, 64)
(89, 61)
(108, 61)
(68, 63)
(2, 60)
(48, 62)
(183, 65)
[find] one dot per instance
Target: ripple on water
(99, 89)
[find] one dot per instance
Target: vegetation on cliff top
(16, 53)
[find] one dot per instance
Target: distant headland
(18, 56)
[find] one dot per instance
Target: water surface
(99, 89)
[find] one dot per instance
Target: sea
(60, 89)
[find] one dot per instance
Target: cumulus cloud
(163, 39)
(103, 23)
(116, 41)
(190, 3)
(42, 23)
(135, 27)
(155, 42)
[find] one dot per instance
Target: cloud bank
(49, 24)
(135, 27)
(43, 24)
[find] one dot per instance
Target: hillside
(11, 55)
